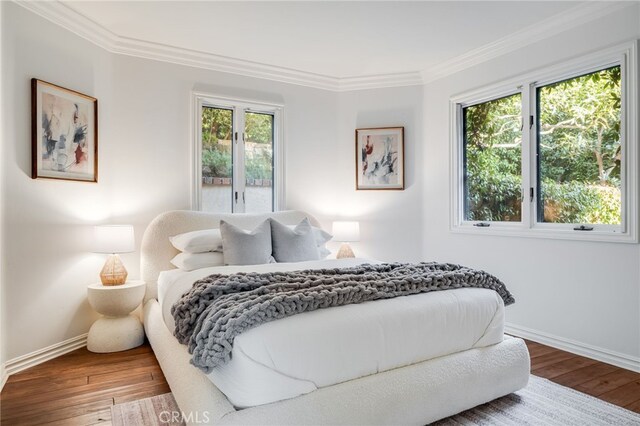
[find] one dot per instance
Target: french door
(237, 164)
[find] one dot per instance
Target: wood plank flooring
(612, 384)
(79, 388)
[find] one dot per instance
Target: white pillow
(192, 261)
(198, 241)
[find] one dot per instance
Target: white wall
(389, 220)
(45, 265)
(144, 160)
(3, 346)
(585, 292)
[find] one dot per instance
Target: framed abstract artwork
(64, 133)
(380, 158)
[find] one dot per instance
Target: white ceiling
(336, 39)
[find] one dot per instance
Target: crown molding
(571, 18)
(68, 18)
(413, 78)
(198, 59)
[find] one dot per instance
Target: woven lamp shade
(113, 239)
(113, 272)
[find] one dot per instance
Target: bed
(356, 373)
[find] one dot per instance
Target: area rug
(160, 410)
(542, 402)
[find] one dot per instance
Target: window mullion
(533, 195)
(278, 161)
(534, 198)
(239, 177)
(625, 151)
(527, 166)
(196, 165)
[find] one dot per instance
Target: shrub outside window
(492, 160)
(579, 149)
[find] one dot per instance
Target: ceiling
(334, 39)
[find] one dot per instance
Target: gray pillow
(240, 247)
(294, 245)
(321, 235)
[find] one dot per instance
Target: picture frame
(380, 158)
(64, 133)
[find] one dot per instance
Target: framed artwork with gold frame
(380, 158)
(64, 133)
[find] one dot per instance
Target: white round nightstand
(117, 330)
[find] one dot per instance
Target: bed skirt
(416, 394)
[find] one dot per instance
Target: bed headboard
(157, 251)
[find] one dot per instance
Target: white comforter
(296, 355)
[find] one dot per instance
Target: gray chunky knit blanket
(219, 307)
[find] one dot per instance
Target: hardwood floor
(612, 384)
(79, 388)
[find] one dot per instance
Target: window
(236, 156)
(492, 160)
(579, 149)
(550, 154)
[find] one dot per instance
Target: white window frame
(200, 100)
(623, 55)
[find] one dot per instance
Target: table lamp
(346, 232)
(113, 239)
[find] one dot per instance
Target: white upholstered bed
(467, 365)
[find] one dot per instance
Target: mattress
(296, 355)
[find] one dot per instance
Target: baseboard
(578, 348)
(3, 376)
(23, 362)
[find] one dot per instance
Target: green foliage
(259, 165)
(579, 153)
(217, 128)
(493, 151)
(577, 202)
(259, 127)
(580, 128)
(494, 196)
(217, 125)
(216, 162)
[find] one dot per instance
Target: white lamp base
(110, 334)
(345, 252)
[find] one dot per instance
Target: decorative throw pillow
(192, 261)
(294, 245)
(322, 237)
(323, 252)
(241, 247)
(198, 241)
